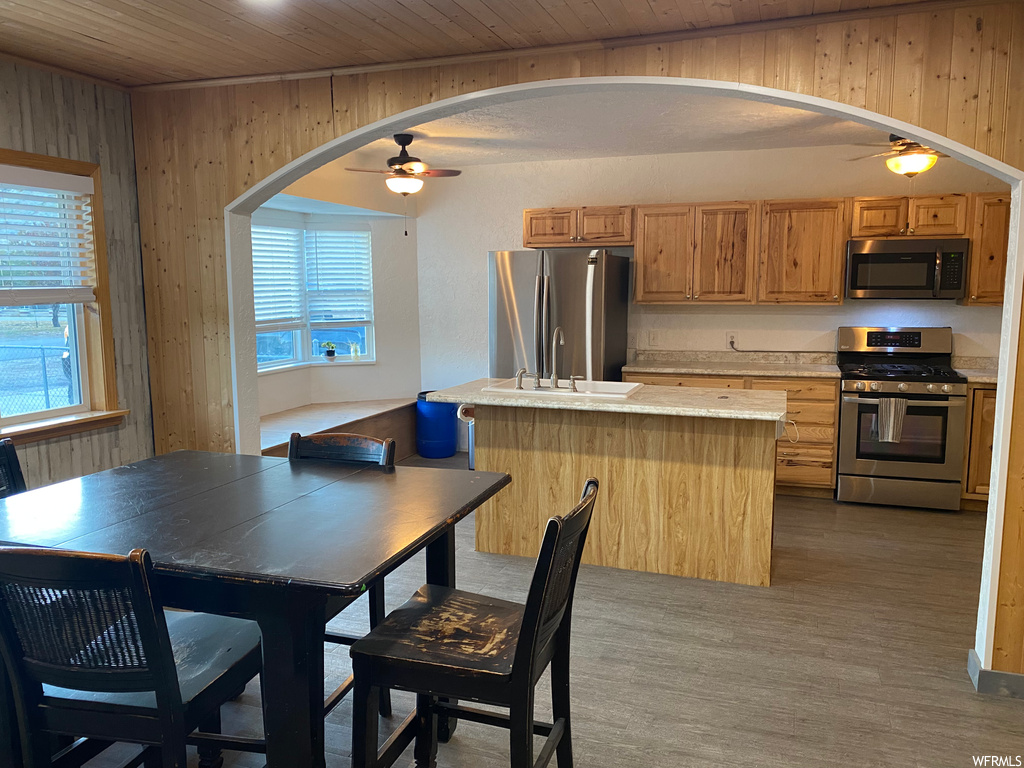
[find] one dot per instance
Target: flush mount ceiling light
(403, 183)
(404, 176)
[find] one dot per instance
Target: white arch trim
(239, 258)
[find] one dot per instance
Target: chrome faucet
(557, 340)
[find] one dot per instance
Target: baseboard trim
(993, 682)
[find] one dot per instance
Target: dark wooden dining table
(286, 544)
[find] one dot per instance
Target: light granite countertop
(754, 405)
(979, 375)
(738, 368)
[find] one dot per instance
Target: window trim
(97, 330)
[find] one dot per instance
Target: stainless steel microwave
(907, 268)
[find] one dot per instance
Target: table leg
(441, 571)
(293, 683)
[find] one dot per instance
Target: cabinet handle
(687, 295)
(974, 298)
(835, 296)
(788, 453)
(696, 296)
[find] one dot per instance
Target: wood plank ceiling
(140, 42)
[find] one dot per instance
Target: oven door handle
(958, 403)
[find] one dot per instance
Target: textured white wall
(462, 219)
(396, 372)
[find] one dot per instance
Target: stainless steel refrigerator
(585, 293)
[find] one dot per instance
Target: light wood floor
(855, 657)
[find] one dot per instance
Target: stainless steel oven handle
(960, 402)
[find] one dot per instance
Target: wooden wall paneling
(965, 74)
(1013, 141)
(829, 53)
(752, 58)
(881, 64)
(853, 67)
(993, 68)
(908, 71)
(47, 113)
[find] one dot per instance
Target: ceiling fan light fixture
(911, 163)
(404, 184)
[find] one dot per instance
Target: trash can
(467, 414)
(436, 428)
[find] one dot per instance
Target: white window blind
(277, 276)
(339, 278)
(46, 246)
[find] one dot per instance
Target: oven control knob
(875, 386)
(947, 388)
(859, 385)
(930, 387)
(903, 386)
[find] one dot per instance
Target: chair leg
(209, 756)
(377, 614)
(425, 750)
(173, 756)
(520, 733)
(364, 722)
(560, 702)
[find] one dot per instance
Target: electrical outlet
(731, 340)
(653, 338)
(631, 340)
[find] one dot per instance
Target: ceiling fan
(405, 174)
(906, 156)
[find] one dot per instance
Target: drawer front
(811, 412)
(814, 434)
(800, 389)
(811, 465)
(669, 380)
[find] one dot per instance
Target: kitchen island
(687, 475)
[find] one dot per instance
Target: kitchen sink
(614, 389)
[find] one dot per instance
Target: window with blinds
(313, 291)
(46, 247)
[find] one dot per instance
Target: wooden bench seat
(395, 418)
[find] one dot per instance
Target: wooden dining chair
(88, 652)
(458, 645)
(11, 479)
(343, 446)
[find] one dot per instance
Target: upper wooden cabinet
(725, 252)
(590, 225)
(696, 252)
(663, 256)
(990, 240)
(880, 216)
(930, 216)
(802, 251)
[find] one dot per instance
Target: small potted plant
(331, 348)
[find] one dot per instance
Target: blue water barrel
(436, 428)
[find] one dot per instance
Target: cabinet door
(879, 216)
(663, 257)
(990, 239)
(802, 251)
(938, 215)
(605, 225)
(979, 464)
(725, 257)
(805, 465)
(549, 226)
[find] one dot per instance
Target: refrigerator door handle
(544, 325)
(538, 349)
(591, 267)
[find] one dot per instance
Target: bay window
(312, 286)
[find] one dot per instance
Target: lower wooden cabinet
(806, 453)
(981, 402)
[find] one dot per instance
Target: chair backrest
(342, 446)
(11, 479)
(86, 622)
(549, 603)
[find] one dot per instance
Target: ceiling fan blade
(365, 170)
(880, 154)
(439, 172)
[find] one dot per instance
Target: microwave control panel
(952, 271)
(908, 339)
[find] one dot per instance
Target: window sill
(46, 429)
(311, 363)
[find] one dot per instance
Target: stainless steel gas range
(901, 420)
